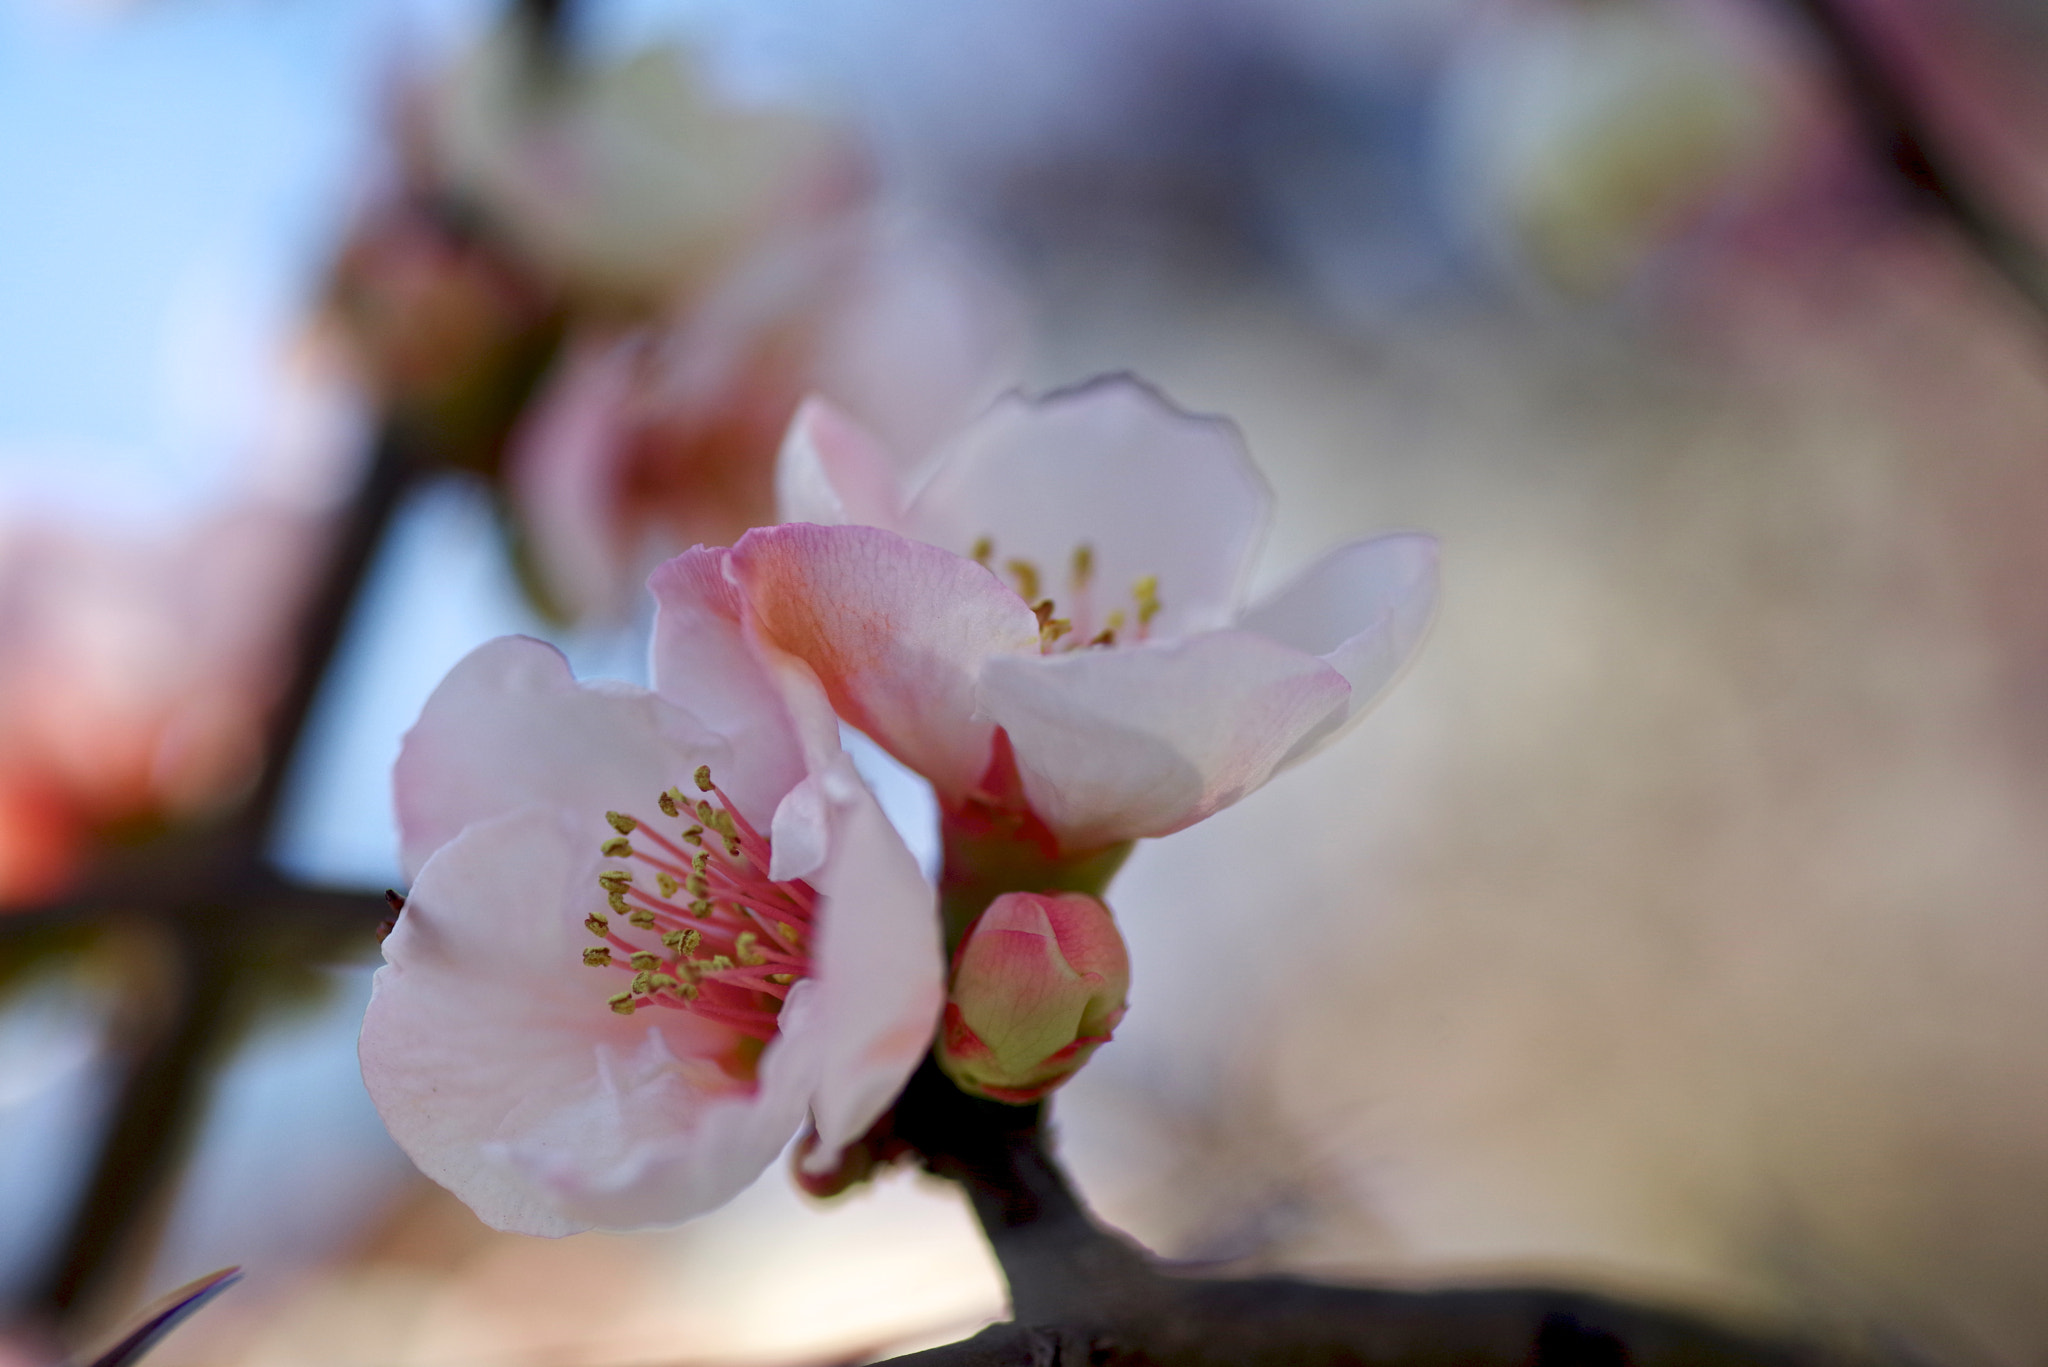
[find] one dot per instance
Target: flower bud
(1038, 982)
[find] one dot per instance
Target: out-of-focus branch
(1082, 1295)
(390, 473)
(1896, 130)
(229, 922)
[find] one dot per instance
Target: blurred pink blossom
(136, 674)
(653, 438)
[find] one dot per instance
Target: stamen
(1146, 593)
(1083, 567)
(1026, 575)
(984, 550)
(753, 928)
(1050, 628)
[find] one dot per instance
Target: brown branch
(1082, 1294)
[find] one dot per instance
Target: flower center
(1078, 630)
(715, 936)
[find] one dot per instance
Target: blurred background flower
(1676, 927)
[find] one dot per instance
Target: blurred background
(1676, 929)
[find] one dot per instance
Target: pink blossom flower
(646, 440)
(136, 673)
(1038, 983)
(615, 992)
(1050, 626)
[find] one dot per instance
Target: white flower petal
(878, 965)
(1119, 743)
(832, 471)
(490, 1052)
(1364, 608)
(510, 727)
(702, 661)
(1113, 465)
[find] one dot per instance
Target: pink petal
(832, 471)
(1115, 744)
(511, 727)
(498, 1068)
(1112, 465)
(1364, 609)
(563, 469)
(878, 966)
(896, 632)
(703, 662)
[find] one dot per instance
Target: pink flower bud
(1038, 982)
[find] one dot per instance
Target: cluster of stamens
(1056, 634)
(731, 941)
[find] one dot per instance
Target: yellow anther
(680, 942)
(662, 981)
(732, 846)
(984, 549)
(783, 979)
(615, 880)
(1050, 630)
(645, 960)
(687, 991)
(703, 778)
(641, 917)
(597, 956)
(786, 931)
(642, 981)
(700, 862)
(717, 963)
(1113, 623)
(1146, 594)
(705, 814)
(1083, 567)
(1105, 637)
(744, 949)
(696, 885)
(694, 836)
(1026, 575)
(623, 1003)
(597, 925)
(618, 847)
(667, 883)
(700, 908)
(667, 803)
(618, 903)
(623, 824)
